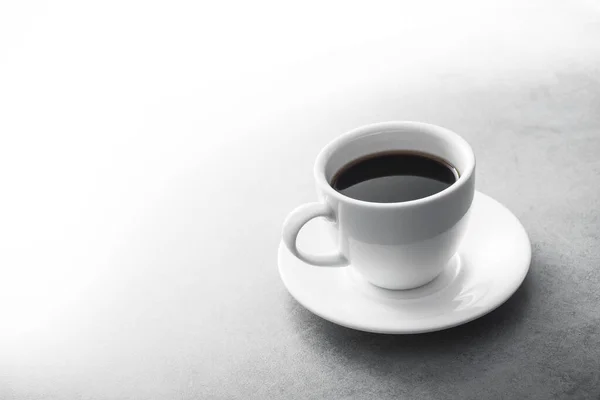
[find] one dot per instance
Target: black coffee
(394, 176)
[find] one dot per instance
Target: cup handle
(296, 220)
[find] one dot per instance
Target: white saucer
(491, 264)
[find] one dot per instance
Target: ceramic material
(490, 265)
(393, 245)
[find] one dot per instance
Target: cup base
(445, 277)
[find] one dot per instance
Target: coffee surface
(393, 177)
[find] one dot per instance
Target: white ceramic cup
(392, 245)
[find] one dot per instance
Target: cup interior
(406, 136)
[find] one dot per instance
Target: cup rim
(379, 127)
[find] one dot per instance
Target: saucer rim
(433, 327)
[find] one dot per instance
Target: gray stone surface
(538, 149)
